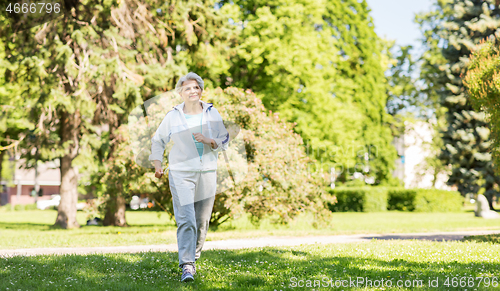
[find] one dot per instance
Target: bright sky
(394, 19)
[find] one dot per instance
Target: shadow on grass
(492, 238)
(434, 237)
(85, 228)
(25, 226)
(42, 227)
(250, 269)
(37, 226)
(162, 225)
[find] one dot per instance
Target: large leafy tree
(200, 35)
(452, 30)
(13, 120)
(267, 162)
(88, 69)
(319, 64)
(188, 36)
(51, 63)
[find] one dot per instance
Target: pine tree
(452, 31)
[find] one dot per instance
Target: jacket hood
(206, 106)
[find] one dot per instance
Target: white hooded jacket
(184, 156)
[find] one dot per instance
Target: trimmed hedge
(18, 207)
(30, 206)
(424, 200)
(433, 200)
(373, 199)
(401, 199)
(366, 199)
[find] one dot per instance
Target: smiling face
(191, 91)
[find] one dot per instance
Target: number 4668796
(33, 8)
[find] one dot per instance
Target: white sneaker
(188, 272)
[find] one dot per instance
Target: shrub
(30, 207)
(424, 200)
(6, 207)
(367, 199)
(434, 200)
(401, 199)
(277, 181)
(373, 199)
(481, 82)
(19, 207)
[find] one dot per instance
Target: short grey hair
(189, 76)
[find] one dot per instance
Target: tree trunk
(115, 206)
(115, 211)
(1, 163)
(66, 214)
(2, 188)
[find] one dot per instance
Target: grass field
(414, 264)
(30, 229)
(422, 265)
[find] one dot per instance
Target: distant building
(49, 179)
(413, 148)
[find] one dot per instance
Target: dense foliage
(366, 199)
(424, 200)
(320, 64)
(451, 32)
(81, 74)
(482, 82)
(273, 180)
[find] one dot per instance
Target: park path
(250, 243)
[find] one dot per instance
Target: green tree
(85, 71)
(405, 92)
(189, 27)
(481, 82)
(451, 31)
(13, 121)
(319, 64)
(272, 176)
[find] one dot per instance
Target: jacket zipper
(185, 122)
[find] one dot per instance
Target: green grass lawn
(466, 265)
(30, 229)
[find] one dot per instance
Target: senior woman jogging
(198, 133)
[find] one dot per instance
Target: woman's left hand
(201, 138)
(208, 141)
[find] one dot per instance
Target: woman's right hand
(158, 173)
(158, 169)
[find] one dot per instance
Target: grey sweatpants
(193, 195)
